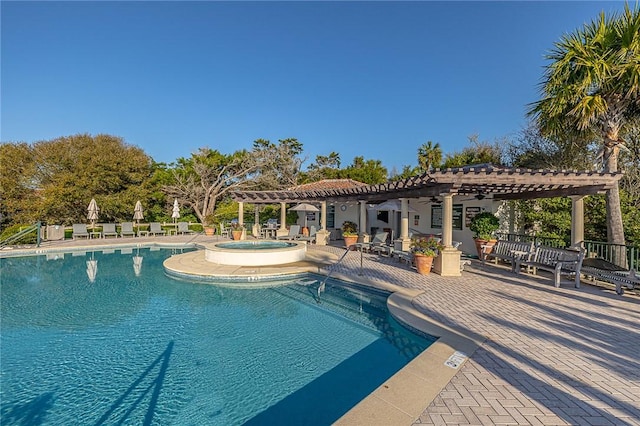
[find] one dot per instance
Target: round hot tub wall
(256, 253)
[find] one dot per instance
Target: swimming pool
(120, 342)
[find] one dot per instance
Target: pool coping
(399, 400)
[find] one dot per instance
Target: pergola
(489, 181)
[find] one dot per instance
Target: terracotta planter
(209, 231)
(237, 235)
(350, 241)
(487, 249)
(423, 263)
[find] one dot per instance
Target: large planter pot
(488, 246)
(237, 235)
(423, 263)
(209, 231)
(350, 240)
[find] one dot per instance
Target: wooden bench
(600, 269)
(509, 251)
(555, 260)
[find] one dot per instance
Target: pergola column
(447, 219)
(448, 261)
(256, 221)
(404, 242)
(322, 236)
(241, 219)
(364, 236)
(577, 219)
(283, 220)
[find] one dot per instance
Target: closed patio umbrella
(137, 212)
(306, 208)
(92, 212)
(175, 214)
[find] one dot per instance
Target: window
(331, 216)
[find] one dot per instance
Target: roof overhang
(500, 183)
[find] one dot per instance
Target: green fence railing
(614, 253)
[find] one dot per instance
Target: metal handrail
(614, 253)
(332, 268)
(23, 232)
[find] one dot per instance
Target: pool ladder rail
(331, 268)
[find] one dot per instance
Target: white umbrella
(137, 212)
(92, 212)
(306, 208)
(176, 210)
(393, 206)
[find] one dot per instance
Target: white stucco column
(447, 263)
(283, 220)
(404, 218)
(403, 242)
(577, 219)
(256, 221)
(283, 215)
(322, 236)
(241, 218)
(240, 213)
(364, 236)
(447, 219)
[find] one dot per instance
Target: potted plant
(236, 230)
(483, 225)
(350, 234)
(209, 225)
(424, 250)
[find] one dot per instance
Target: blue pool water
(110, 339)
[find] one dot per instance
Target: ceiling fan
(478, 196)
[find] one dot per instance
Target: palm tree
(592, 87)
(429, 155)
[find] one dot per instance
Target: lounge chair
(224, 232)
(126, 228)
(294, 232)
(80, 230)
(311, 238)
(155, 229)
(380, 239)
(109, 230)
(183, 228)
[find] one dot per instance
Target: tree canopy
(55, 180)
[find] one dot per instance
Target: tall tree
(205, 178)
(366, 171)
(478, 152)
(281, 162)
(58, 178)
(429, 156)
(593, 85)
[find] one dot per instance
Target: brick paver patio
(553, 356)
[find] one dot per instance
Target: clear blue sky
(375, 79)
